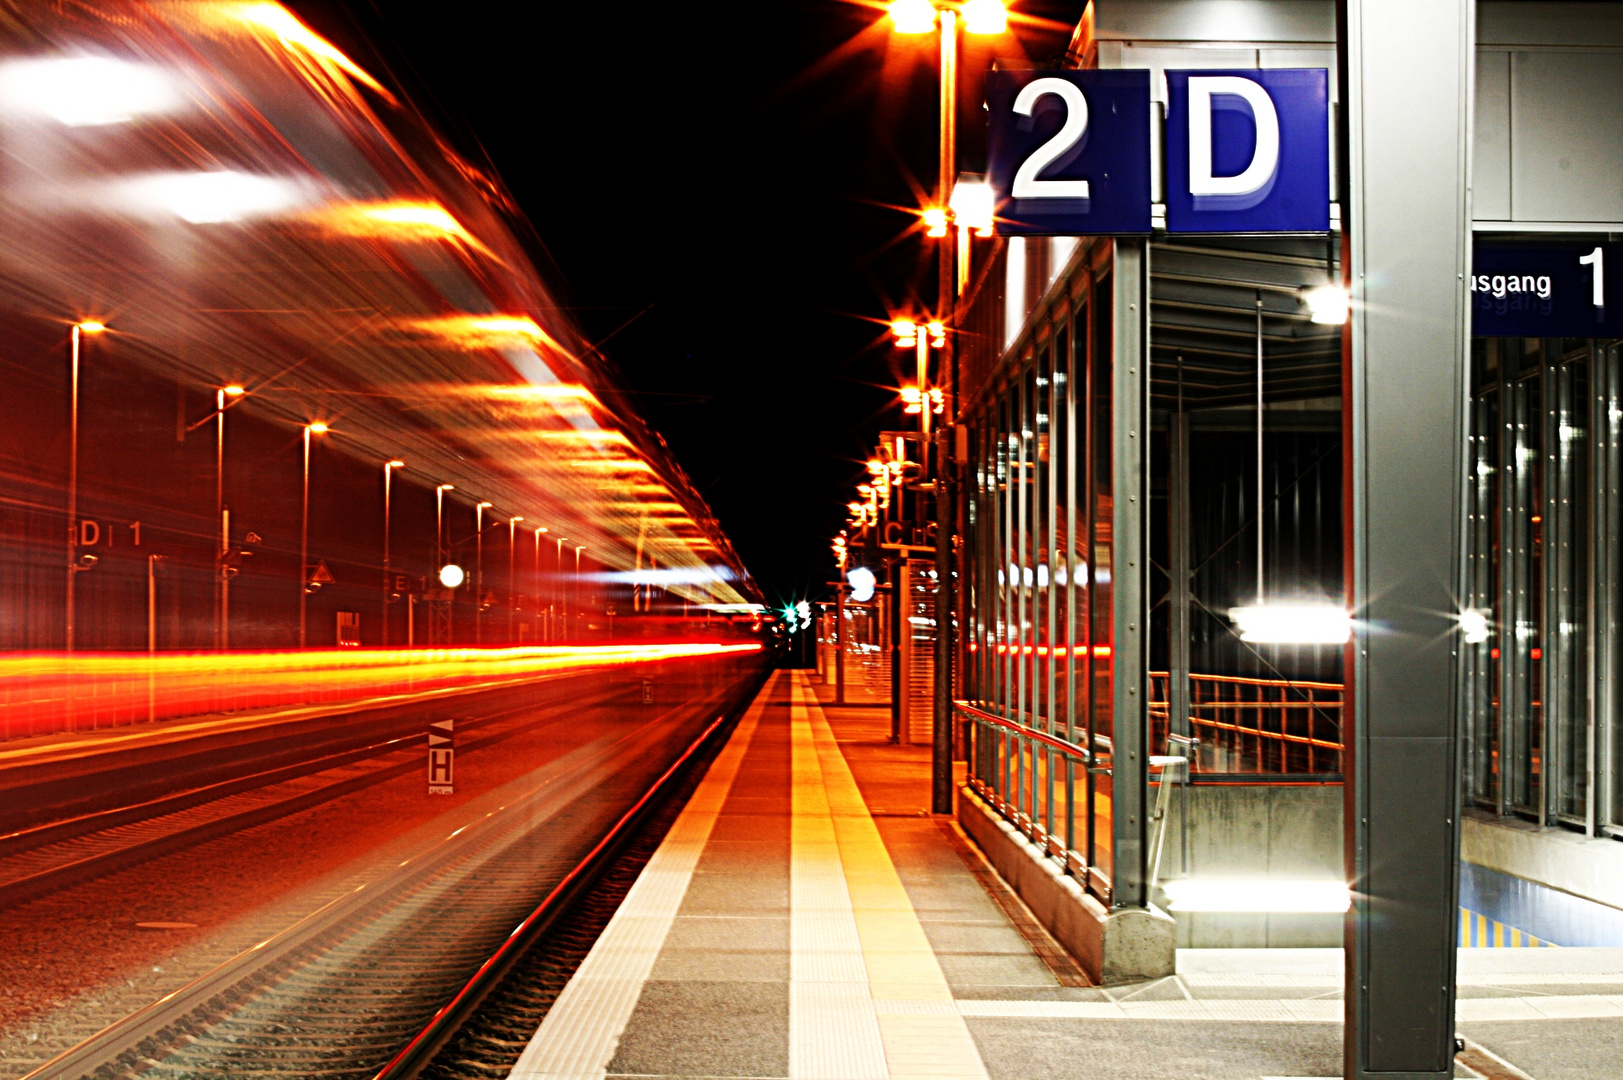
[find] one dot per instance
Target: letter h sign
(441, 757)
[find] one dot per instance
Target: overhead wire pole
(946, 296)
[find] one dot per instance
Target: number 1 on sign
(1596, 259)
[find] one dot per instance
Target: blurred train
(280, 371)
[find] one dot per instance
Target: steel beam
(1130, 431)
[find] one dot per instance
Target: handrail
(1062, 745)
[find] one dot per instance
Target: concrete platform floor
(807, 917)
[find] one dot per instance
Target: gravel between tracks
(238, 889)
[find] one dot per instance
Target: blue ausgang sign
(1544, 289)
(1248, 151)
(1069, 151)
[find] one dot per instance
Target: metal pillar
(839, 644)
(1130, 484)
(941, 714)
(1406, 73)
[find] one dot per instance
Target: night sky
(721, 190)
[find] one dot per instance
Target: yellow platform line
(898, 963)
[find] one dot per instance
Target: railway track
(340, 992)
(54, 856)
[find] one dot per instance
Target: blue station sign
(1246, 151)
(1069, 151)
(1546, 289)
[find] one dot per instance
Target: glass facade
(1038, 620)
(1538, 676)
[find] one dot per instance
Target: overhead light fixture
(87, 91)
(1292, 624)
(1258, 896)
(912, 16)
(1327, 305)
(935, 221)
(1474, 626)
(972, 205)
(985, 17)
(451, 575)
(863, 583)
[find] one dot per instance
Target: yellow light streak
(482, 331)
(293, 34)
(397, 221)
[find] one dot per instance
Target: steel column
(1406, 73)
(1129, 512)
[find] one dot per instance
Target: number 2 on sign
(1026, 184)
(1596, 259)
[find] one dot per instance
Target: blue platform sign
(1248, 151)
(1069, 151)
(1546, 289)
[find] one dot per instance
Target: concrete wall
(1588, 867)
(1253, 833)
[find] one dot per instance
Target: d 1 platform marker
(441, 757)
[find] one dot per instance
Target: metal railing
(1029, 776)
(1255, 727)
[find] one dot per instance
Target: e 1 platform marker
(441, 758)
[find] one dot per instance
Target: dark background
(724, 191)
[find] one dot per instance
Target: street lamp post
(439, 523)
(539, 633)
(512, 545)
(222, 566)
(479, 573)
(979, 17)
(314, 428)
(388, 578)
(80, 329)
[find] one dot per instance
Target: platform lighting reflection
(87, 91)
(1266, 895)
(1474, 626)
(1292, 624)
(208, 198)
(1327, 305)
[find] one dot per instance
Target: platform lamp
(76, 563)
(1288, 622)
(512, 547)
(388, 578)
(921, 398)
(315, 427)
(479, 571)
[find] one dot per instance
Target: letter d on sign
(1248, 151)
(1251, 185)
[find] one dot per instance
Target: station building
(1164, 432)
